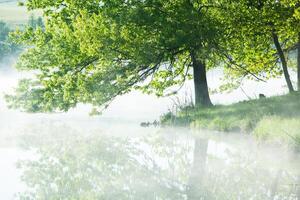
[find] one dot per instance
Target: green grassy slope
(275, 118)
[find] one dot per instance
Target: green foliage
(250, 46)
(35, 22)
(21, 3)
(91, 52)
(167, 118)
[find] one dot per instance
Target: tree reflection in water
(156, 167)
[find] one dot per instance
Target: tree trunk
(298, 62)
(195, 186)
(283, 61)
(201, 88)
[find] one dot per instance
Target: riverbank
(274, 119)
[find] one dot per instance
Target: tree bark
(195, 187)
(283, 61)
(201, 88)
(298, 62)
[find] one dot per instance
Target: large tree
(294, 25)
(262, 34)
(92, 51)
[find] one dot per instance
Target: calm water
(55, 160)
(73, 157)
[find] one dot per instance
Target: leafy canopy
(92, 51)
(250, 47)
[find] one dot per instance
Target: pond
(55, 160)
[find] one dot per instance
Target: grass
(275, 119)
(279, 130)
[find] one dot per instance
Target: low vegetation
(275, 119)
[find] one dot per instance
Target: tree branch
(232, 62)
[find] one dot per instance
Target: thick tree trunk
(195, 187)
(201, 88)
(298, 62)
(283, 61)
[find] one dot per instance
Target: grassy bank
(275, 119)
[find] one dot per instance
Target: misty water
(74, 156)
(50, 159)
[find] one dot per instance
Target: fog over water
(72, 155)
(136, 106)
(75, 156)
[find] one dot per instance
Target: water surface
(56, 160)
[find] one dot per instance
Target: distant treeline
(8, 1)
(7, 47)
